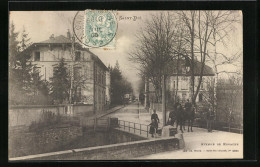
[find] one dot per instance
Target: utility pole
(72, 68)
(138, 110)
(145, 92)
(163, 101)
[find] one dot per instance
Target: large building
(180, 83)
(89, 74)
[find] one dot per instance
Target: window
(37, 56)
(102, 79)
(184, 83)
(200, 97)
(78, 94)
(202, 84)
(77, 73)
(99, 78)
(184, 96)
(183, 70)
(77, 56)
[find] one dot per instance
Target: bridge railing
(134, 127)
(218, 125)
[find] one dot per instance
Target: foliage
(119, 85)
(26, 86)
(230, 100)
(25, 41)
(50, 119)
(60, 84)
(13, 46)
(229, 97)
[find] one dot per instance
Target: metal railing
(224, 127)
(136, 127)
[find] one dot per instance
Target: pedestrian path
(110, 111)
(91, 121)
(201, 144)
(132, 118)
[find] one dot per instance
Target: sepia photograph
(125, 85)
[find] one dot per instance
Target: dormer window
(183, 70)
(77, 56)
(37, 56)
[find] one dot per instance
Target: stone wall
(25, 115)
(27, 143)
(120, 151)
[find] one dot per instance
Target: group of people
(179, 116)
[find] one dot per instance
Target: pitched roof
(197, 67)
(56, 40)
(206, 71)
(61, 39)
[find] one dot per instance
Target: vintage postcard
(124, 85)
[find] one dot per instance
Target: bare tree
(153, 52)
(199, 33)
(206, 29)
(222, 22)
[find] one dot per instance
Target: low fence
(222, 126)
(136, 128)
(25, 115)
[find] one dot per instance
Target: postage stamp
(100, 27)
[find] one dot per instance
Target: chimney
(68, 34)
(52, 36)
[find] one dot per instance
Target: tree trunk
(163, 101)
(177, 79)
(192, 59)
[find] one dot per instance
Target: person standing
(188, 106)
(155, 119)
(187, 111)
(171, 119)
(190, 117)
(176, 104)
(179, 116)
(210, 118)
(152, 127)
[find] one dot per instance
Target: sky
(41, 24)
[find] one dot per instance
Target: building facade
(179, 84)
(86, 70)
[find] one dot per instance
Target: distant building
(88, 69)
(182, 85)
